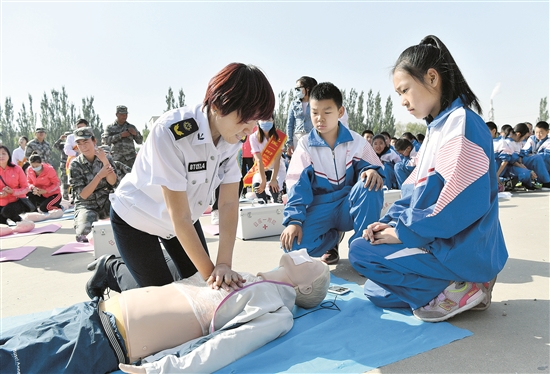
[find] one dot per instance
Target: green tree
(7, 127)
(26, 121)
(412, 127)
(170, 100)
(58, 115)
(370, 110)
(88, 113)
(377, 117)
(360, 124)
(543, 110)
(145, 133)
(181, 98)
(389, 119)
(281, 112)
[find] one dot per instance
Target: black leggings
(12, 211)
(45, 204)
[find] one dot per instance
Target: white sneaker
(215, 217)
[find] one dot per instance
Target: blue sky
(131, 52)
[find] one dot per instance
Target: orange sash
(70, 159)
(271, 150)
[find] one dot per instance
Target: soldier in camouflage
(121, 136)
(39, 145)
(92, 177)
(60, 144)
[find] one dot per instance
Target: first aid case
(260, 220)
(104, 239)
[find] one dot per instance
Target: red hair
(242, 88)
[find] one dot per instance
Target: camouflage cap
(40, 129)
(83, 133)
(122, 109)
(67, 133)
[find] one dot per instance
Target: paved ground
(512, 336)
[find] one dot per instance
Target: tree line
(57, 115)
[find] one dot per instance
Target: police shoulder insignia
(183, 128)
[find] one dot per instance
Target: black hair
(82, 120)
(10, 162)
(506, 129)
(522, 128)
(367, 132)
(35, 157)
(409, 136)
(491, 125)
(308, 83)
(420, 137)
(542, 125)
(402, 144)
(386, 134)
(383, 138)
(327, 91)
(432, 53)
(24, 137)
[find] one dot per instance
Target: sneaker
(331, 257)
(81, 239)
(215, 217)
(97, 284)
(487, 289)
(456, 298)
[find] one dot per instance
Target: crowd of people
(437, 251)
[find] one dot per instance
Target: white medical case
(260, 220)
(103, 239)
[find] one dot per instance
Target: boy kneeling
(334, 182)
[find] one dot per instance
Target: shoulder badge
(183, 128)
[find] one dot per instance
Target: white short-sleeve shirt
(179, 154)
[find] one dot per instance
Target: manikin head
(309, 276)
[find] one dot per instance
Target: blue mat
(358, 338)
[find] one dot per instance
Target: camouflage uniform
(97, 205)
(60, 144)
(122, 149)
(120, 168)
(42, 149)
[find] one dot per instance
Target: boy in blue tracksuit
(334, 182)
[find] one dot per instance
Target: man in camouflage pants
(92, 176)
(121, 136)
(39, 145)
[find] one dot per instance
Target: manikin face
(378, 145)
(540, 133)
(300, 268)
(416, 97)
(325, 115)
(230, 126)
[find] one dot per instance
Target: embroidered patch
(183, 128)
(196, 166)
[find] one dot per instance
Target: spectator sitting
(92, 177)
(368, 135)
(44, 190)
(410, 137)
(407, 164)
(389, 158)
(539, 143)
(332, 170)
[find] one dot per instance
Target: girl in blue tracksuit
(438, 249)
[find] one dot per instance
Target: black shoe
(81, 239)
(546, 185)
(97, 284)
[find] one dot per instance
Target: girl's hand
(8, 190)
(384, 236)
(288, 235)
(261, 187)
(274, 185)
(100, 153)
(106, 170)
(224, 277)
(372, 180)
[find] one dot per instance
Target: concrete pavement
(512, 336)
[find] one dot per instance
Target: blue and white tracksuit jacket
(325, 193)
(535, 147)
(447, 218)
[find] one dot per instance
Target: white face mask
(299, 92)
(38, 168)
